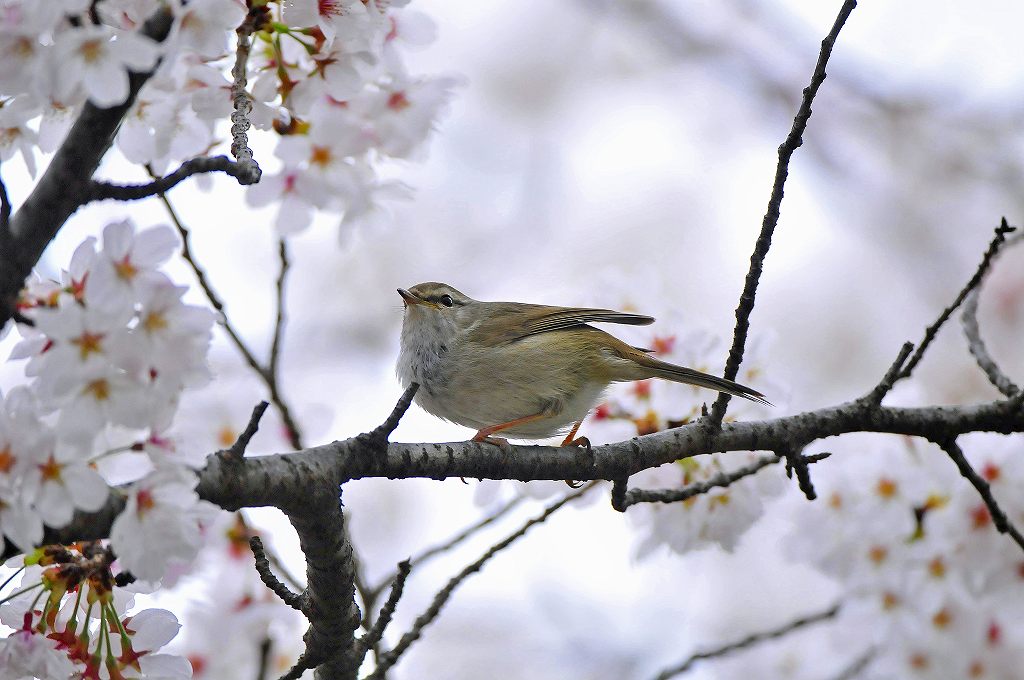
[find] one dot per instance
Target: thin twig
(292, 599)
(376, 632)
(857, 666)
(977, 347)
(993, 247)
(237, 450)
(889, 379)
(457, 539)
(388, 659)
(378, 436)
(748, 641)
(771, 218)
(264, 656)
(999, 518)
(275, 346)
(797, 464)
(722, 479)
(5, 214)
(291, 426)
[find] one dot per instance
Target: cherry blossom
(98, 58)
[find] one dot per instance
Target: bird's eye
(447, 300)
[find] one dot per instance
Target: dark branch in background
(388, 659)
(455, 540)
(969, 320)
(293, 600)
(265, 649)
(857, 666)
(997, 241)
(622, 499)
(771, 218)
(999, 519)
(275, 345)
(376, 632)
(269, 379)
(5, 215)
(66, 183)
(753, 639)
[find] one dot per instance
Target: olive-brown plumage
(526, 371)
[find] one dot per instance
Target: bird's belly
(483, 391)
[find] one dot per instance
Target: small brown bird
(526, 371)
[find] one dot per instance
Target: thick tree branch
(388, 659)
(284, 480)
(329, 600)
(771, 218)
(66, 184)
(747, 642)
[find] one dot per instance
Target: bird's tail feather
(681, 374)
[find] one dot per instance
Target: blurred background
(621, 154)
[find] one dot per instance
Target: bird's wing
(511, 321)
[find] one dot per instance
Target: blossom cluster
(71, 622)
(919, 561)
(328, 77)
(108, 351)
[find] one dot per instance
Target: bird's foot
(500, 442)
(580, 442)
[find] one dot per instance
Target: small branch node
(237, 450)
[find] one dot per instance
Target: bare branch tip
(237, 450)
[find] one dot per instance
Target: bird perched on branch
(525, 371)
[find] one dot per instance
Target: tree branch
(240, 98)
(329, 601)
(455, 540)
(722, 479)
(275, 345)
(284, 480)
(993, 247)
(293, 600)
(747, 642)
(269, 379)
(999, 518)
(133, 192)
(771, 218)
(977, 347)
(376, 632)
(388, 659)
(237, 449)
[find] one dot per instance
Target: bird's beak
(409, 298)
